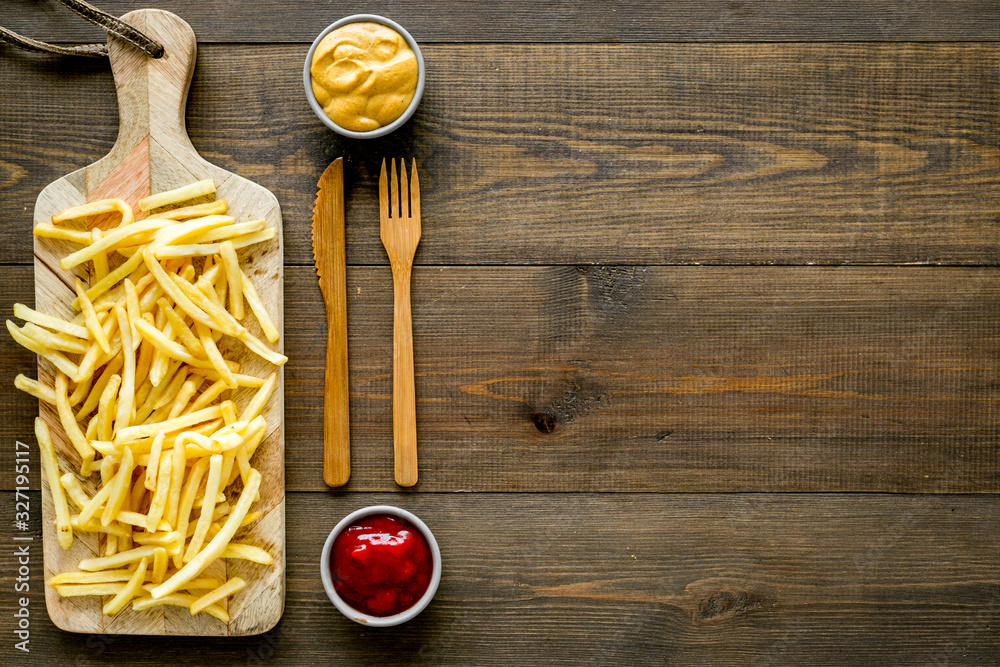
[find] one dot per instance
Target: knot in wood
(544, 422)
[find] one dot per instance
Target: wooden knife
(329, 251)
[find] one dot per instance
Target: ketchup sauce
(381, 565)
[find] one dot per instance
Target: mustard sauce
(364, 75)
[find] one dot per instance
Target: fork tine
(414, 194)
(394, 190)
(383, 196)
(404, 189)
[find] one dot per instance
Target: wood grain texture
(330, 251)
(733, 153)
(525, 21)
(153, 154)
(651, 379)
(633, 579)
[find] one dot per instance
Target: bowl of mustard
(364, 76)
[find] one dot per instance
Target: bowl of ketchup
(380, 566)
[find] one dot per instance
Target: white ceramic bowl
(352, 613)
(385, 129)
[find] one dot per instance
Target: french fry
(183, 398)
(225, 590)
(228, 412)
(81, 390)
(177, 423)
(178, 195)
(160, 560)
(55, 341)
(100, 259)
(215, 291)
(179, 458)
(216, 207)
(165, 540)
(110, 241)
(259, 311)
(97, 389)
(241, 379)
(101, 577)
(94, 526)
(243, 463)
(132, 309)
(69, 423)
(36, 388)
(181, 329)
(55, 358)
(203, 249)
(247, 552)
(105, 283)
(159, 501)
(212, 488)
(90, 509)
(90, 315)
(69, 591)
(218, 544)
(120, 488)
(91, 432)
(130, 590)
(108, 464)
(126, 394)
(104, 448)
(110, 545)
(179, 600)
(105, 408)
(219, 318)
(187, 501)
(176, 382)
(50, 466)
(116, 561)
(73, 490)
(96, 208)
(231, 263)
(154, 460)
(135, 501)
(45, 230)
(199, 584)
(255, 345)
(170, 287)
(214, 356)
(183, 232)
(143, 361)
(49, 321)
(205, 398)
(139, 521)
(148, 406)
(232, 231)
(260, 399)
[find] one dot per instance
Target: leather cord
(111, 24)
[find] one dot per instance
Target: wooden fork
(400, 236)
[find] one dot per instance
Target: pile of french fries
(145, 397)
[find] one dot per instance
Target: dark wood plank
(628, 579)
(629, 154)
(650, 379)
(525, 21)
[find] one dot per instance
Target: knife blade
(329, 252)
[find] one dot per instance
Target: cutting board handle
(152, 92)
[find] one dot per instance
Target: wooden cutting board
(153, 153)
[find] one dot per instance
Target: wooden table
(705, 318)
